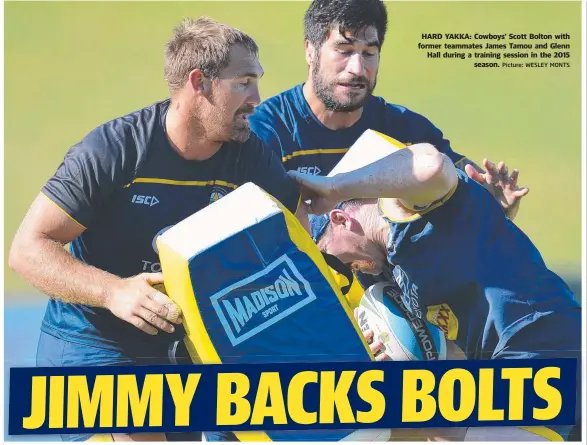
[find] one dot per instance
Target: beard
(324, 89)
(240, 129)
(366, 266)
(215, 126)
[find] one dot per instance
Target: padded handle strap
(341, 268)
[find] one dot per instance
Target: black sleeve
(90, 173)
(265, 170)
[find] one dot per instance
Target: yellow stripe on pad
(393, 141)
(355, 294)
(305, 243)
(179, 252)
(178, 284)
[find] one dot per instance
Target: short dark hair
(323, 15)
(203, 44)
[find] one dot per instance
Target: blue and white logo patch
(410, 297)
(217, 193)
(261, 300)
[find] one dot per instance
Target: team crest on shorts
(217, 193)
(442, 316)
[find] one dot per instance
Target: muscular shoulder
(123, 141)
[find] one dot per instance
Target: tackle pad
(254, 288)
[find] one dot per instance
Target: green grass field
(69, 66)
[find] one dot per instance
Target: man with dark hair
(312, 125)
(127, 182)
(337, 25)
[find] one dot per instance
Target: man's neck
(185, 138)
(376, 228)
(334, 120)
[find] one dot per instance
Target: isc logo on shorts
(261, 300)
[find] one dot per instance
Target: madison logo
(261, 300)
(418, 326)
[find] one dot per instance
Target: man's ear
(340, 217)
(310, 51)
(198, 83)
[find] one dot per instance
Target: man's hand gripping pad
(253, 287)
